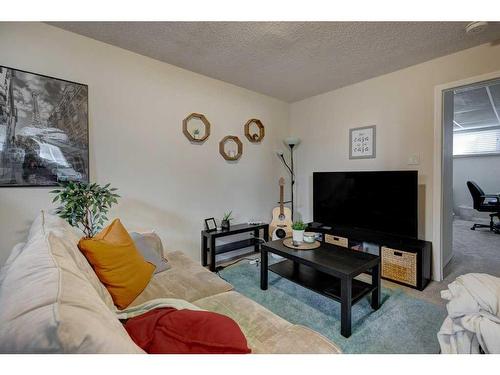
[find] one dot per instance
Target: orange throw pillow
(117, 263)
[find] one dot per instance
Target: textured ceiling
(287, 60)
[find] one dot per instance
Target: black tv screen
(384, 202)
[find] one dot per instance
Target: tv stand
(405, 261)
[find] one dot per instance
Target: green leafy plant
(85, 206)
(228, 216)
(196, 133)
(299, 225)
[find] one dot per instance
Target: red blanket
(172, 331)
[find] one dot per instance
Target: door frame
(437, 206)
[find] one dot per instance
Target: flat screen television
(385, 202)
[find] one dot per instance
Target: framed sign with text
(362, 142)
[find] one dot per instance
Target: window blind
(484, 141)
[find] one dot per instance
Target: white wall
(401, 104)
(136, 107)
(484, 170)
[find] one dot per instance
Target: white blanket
(473, 315)
(143, 308)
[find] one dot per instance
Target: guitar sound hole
(280, 233)
(281, 217)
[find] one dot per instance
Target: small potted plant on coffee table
(298, 228)
(226, 220)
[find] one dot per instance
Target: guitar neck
(282, 195)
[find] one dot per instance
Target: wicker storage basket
(336, 240)
(399, 266)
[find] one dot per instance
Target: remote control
(255, 222)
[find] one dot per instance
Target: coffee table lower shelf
(318, 281)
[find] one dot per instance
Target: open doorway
(471, 179)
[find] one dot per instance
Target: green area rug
(403, 324)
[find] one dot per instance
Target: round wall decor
(254, 130)
(230, 154)
(196, 127)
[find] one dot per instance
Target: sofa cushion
(47, 223)
(297, 340)
(185, 280)
(257, 323)
(11, 258)
(48, 305)
(147, 245)
(117, 262)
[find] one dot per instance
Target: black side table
(209, 238)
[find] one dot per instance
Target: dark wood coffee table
(329, 270)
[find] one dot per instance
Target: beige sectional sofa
(51, 301)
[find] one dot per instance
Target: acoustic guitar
(281, 225)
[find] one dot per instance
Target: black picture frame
(77, 166)
(210, 224)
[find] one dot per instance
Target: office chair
(485, 203)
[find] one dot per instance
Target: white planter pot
(298, 235)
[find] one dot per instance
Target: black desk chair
(485, 203)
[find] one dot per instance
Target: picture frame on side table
(362, 142)
(210, 224)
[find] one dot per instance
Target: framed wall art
(44, 132)
(362, 142)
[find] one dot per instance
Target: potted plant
(196, 133)
(85, 206)
(298, 228)
(226, 220)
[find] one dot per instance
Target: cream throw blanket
(473, 315)
(143, 308)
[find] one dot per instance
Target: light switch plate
(413, 160)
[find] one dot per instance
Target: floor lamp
(291, 142)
